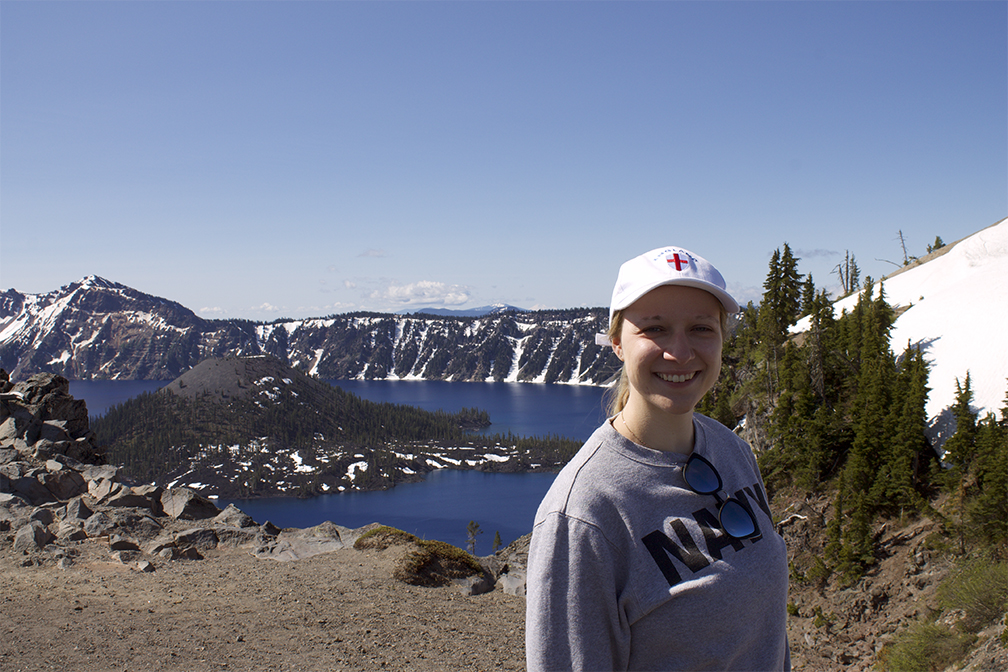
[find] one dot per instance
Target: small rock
(513, 583)
(120, 543)
(189, 553)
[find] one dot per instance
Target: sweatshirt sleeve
(573, 618)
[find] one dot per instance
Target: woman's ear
(617, 348)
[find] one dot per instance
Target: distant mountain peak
(482, 311)
(98, 282)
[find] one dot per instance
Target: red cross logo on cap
(678, 261)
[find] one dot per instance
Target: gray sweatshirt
(628, 569)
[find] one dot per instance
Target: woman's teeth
(673, 378)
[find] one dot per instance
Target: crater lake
(442, 505)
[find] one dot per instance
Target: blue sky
(266, 159)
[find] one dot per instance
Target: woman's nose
(678, 348)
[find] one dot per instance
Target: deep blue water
(442, 505)
(438, 508)
(525, 409)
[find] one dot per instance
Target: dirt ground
(231, 611)
(342, 610)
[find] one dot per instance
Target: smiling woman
(659, 527)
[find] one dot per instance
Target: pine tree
(808, 295)
(472, 531)
(988, 510)
(960, 446)
(778, 311)
(898, 481)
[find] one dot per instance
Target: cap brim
(726, 300)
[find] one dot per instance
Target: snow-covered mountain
(956, 302)
(95, 328)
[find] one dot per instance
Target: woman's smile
(676, 378)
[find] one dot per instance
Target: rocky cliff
(97, 329)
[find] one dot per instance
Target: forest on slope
(836, 417)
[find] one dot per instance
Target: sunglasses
(736, 520)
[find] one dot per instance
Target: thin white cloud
(216, 310)
(425, 292)
(268, 308)
(816, 253)
(373, 253)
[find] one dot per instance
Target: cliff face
(97, 329)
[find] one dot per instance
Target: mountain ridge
(99, 329)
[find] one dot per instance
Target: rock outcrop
(55, 492)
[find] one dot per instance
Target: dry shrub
(925, 647)
(382, 537)
(980, 590)
(435, 563)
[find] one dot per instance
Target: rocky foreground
(98, 575)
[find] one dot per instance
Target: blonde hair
(617, 397)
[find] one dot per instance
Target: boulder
(32, 537)
(187, 504)
(474, 585)
(123, 495)
(124, 557)
(188, 553)
(43, 515)
(234, 517)
(77, 509)
(65, 484)
(71, 530)
(228, 535)
(14, 511)
(118, 542)
(101, 488)
(513, 583)
(9, 430)
(99, 472)
(164, 542)
(31, 489)
(202, 538)
(99, 524)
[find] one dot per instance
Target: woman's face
(670, 344)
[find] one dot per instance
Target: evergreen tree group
(831, 410)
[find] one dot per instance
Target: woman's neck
(667, 432)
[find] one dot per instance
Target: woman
(654, 549)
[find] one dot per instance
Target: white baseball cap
(666, 266)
